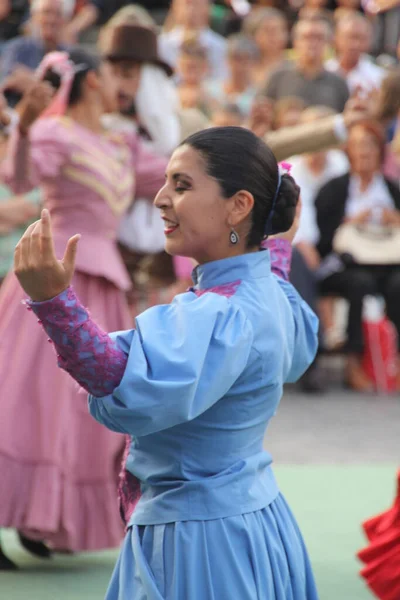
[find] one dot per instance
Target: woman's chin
(173, 247)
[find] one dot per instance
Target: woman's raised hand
(36, 99)
(39, 272)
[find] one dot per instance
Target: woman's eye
(180, 189)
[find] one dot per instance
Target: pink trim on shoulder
(281, 256)
(226, 289)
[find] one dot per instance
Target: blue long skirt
(255, 556)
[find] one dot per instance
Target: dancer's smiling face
(197, 217)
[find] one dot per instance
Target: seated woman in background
(362, 196)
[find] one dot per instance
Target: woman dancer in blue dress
(195, 384)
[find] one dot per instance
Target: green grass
(329, 503)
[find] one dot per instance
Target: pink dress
(59, 468)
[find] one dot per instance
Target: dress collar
(236, 268)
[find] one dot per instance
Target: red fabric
(380, 355)
(382, 556)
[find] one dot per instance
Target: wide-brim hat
(132, 42)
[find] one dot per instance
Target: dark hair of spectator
(376, 131)
(85, 62)
(239, 160)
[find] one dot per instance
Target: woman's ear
(92, 80)
(241, 205)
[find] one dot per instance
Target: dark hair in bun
(84, 62)
(239, 160)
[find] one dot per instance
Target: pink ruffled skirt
(59, 468)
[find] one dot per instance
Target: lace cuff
(83, 349)
(281, 256)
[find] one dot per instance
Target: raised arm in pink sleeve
(281, 256)
(150, 169)
(83, 349)
(33, 158)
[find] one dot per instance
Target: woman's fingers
(24, 244)
(46, 238)
(70, 253)
(35, 252)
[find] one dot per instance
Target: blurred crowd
(317, 79)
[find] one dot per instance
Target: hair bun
(285, 205)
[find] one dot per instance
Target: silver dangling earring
(234, 237)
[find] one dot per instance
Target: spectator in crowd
(361, 196)
(133, 14)
(191, 71)
(12, 15)
(311, 172)
(238, 87)
(287, 112)
(99, 12)
(269, 29)
(387, 32)
(306, 77)
(47, 36)
(187, 19)
(345, 8)
(353, 39)
(227, 115)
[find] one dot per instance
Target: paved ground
(335, 459)
(335, 428)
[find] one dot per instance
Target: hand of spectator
(20, 80)
(33, 103)
(260, 118)
(39, 272)
(379, 6)
(361, 218)
(391, 217)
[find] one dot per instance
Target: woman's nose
(162, 200)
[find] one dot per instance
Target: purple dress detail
(93, 359)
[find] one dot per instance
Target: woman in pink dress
(58, 467)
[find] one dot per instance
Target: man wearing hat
(148, 101)
(145, 88)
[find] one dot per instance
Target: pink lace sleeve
(83, 349)
(281, 256)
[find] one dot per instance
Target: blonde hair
(133, 14)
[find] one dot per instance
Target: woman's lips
(170, 227)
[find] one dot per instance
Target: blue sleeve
(183, 358)
(306, 333)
